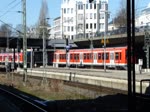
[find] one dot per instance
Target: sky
(9, 8)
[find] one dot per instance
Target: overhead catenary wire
(10, 9)
(12, 27)
(6, 6)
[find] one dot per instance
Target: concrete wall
(114, 83)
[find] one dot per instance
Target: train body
(8, 58)
(115, 57)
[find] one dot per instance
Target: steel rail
(23, 99)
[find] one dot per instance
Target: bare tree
(42, 22)
(120, 19)
(6, 30)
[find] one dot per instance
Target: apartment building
(144, 18)
(55, 30)
(81, 19)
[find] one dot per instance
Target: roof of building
(60, 43)
(57, 18)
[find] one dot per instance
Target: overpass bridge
(112, 40)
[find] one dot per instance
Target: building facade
(55, 30)
(144, 18)
(81, 19)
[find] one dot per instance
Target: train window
(71, 56)
(88, 56)
(74, 56)
(103, 56)
(64, 56)
(107, 56)
(60, 57)
(78, 56)
(84, 56)
(10, 58)
(116, 56)
(126, 54)
(99, 56)
(120, 55)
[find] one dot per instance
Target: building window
(72, 28)
(94, 25)
(72, 37)
(86, 6)
(68, 28)
(81, 6)
(86, 15)
(95, 6)
(90, 25)
(68, 10)
(90, 6)
(90, 15)
(64, 10)
(87, 26)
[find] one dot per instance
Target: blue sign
(68, 47)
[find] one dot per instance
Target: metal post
(98, 15)
(130, 100)
(62, 23)
(147, 56)
(67, 52)
(18, 52)
(76, 19)
(7, 61)
(24, 42)
(44, 47)
(31, 64)
(92, 55)
(105, 13)
(84, 21)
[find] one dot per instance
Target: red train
(116, 57)
(8, 57)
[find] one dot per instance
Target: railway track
(23, 102)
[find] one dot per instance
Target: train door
(57, 58)
(95, 58)
(112, 62)
(81, 59)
